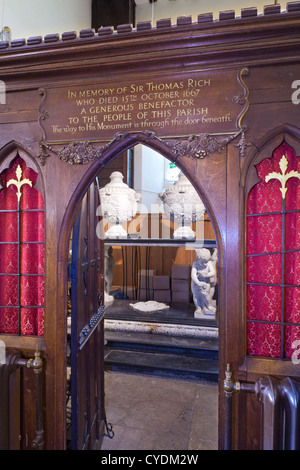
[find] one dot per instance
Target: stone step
(176, 314)
(182, 357)
(144, 341)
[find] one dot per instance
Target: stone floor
(149, 412)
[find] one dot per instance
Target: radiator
(10, 385)
(280, 426)
(281, 413)
(10, 403)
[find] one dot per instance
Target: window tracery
(21, 251)
(273, 257)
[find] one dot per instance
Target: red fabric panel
(32, 258)
(9, 291)
(293, 194)
(264, 235)
(8, 259)
(263, 339)
(292, 240)
(8, 221)
(292, 304)
(265, 269)
(264, 303)
(31, 254)
(32, 321)
(9, 320)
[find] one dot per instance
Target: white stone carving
(178, 333)
(149, 306)
(183, 205)
(203, 282)
(119, 204)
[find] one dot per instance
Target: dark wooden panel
(112, 13)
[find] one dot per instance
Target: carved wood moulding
(195, 146)
(146, 26)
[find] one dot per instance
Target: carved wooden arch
(8, 149)
(264, 149)
(120, 144)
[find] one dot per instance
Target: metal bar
(261, 214)
(271, 285)
(228, 422)
(28, 306)
(22, 243)
(36, 364)
(271, 253)
(289, 390)
(246, 387)
(23, 275)
(269, 322)
(229, 388)
(21, 210)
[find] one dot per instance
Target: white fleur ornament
(19, 182)
(283, 177)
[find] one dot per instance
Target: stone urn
(119, 204)
(183, 205)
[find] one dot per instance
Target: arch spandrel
(211, 188)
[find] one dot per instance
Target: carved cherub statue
(203, 280)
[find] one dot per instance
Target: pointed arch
(264, 147)
(22, 257)
(273, 252)
(9, 149)
(120, 144)
(8, 153)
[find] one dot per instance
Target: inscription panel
(202, 102)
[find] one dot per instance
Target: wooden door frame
(248, 369)
(251, 367)
(119, 147)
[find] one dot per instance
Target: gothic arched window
(21, 251)
(273, 257)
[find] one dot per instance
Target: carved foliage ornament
(196, 146)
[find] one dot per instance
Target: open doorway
(156, 321)
(160, 246)
(156, 326)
